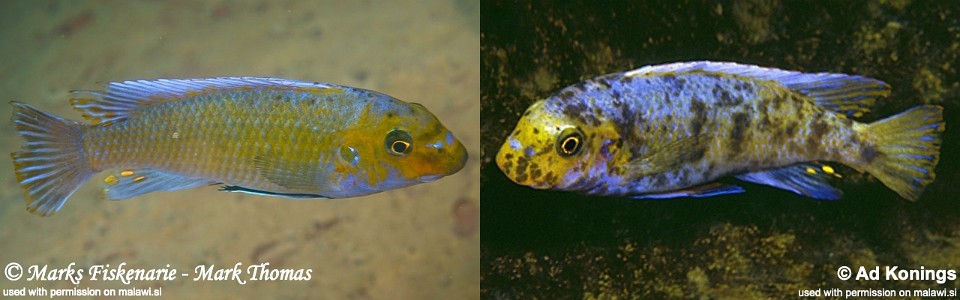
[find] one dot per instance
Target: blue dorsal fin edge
(122, 97)
(851, 95)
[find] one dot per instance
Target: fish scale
(669, 130)
(264, 136)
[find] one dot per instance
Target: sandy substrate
(417, 242)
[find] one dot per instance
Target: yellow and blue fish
(265, 136)
(670, 130)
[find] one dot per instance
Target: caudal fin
(50, 167)
(907, 149)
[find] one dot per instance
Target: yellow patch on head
(126, 173)
(546, 149)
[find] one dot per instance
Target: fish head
(551, 150)
(411, 146)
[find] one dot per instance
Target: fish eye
(570, 142)
(398, 143)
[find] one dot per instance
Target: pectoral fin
(807, 179)
(702, 191)
(669, 156)
(294, 175)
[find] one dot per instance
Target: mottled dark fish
(265, 136)
(669, 130)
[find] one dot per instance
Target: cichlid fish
(263, 136)
(668, 130)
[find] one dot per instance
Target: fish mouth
(429, 178)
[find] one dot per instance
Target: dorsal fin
(120, 98)
(851, 95)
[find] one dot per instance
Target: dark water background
(763, 243)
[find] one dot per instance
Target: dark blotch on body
(740, 86)
(627, 125)
(699, 110)
(777, 102)
(521, 168)
(579, 111)
(522, 177)
(817, 131)
(791, 129)
(868, 153)
(726, 99)
(764, 121)
(534, 171)
(616, 98)
(566, 95)
(740, 123)
(603, 83)
(507, 165)
(675, 83)
(550, 177)
(660, 180)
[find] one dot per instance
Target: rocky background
(765, 243)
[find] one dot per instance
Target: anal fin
(702, 191)
(805, 179)
(126, 184)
